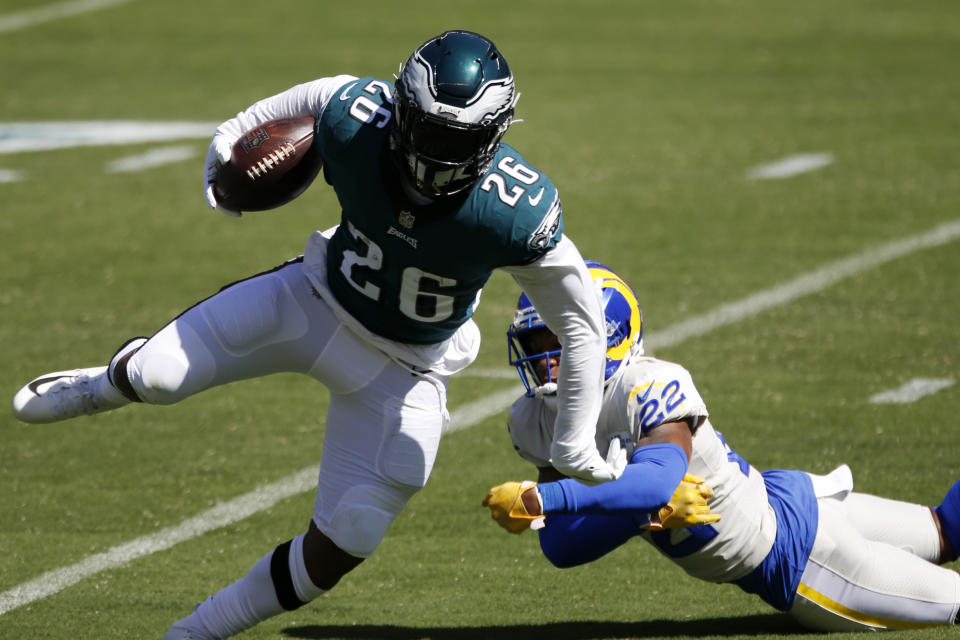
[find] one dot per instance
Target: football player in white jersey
(807, 544)
(378, 308)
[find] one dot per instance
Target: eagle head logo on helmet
(453, 101)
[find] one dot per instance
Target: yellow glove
(506, 507)
(687, 507)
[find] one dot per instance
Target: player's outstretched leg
(949, 514)
(66, 394)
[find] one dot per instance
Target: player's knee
(360, 521)
(358, 529)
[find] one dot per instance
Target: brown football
(270, 165)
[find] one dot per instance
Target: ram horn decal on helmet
(624, 323)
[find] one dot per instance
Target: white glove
(619, 451)
(218, 154)
(593, 470)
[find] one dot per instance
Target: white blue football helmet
(452, 103)
(624, 330)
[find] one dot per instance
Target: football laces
(271, 161)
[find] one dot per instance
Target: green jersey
(413, 273)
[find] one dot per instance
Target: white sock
(107, 395)
(243, 604)
(253, 598)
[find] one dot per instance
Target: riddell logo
(446, 111)
(254, 139)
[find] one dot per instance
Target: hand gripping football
(270, 165)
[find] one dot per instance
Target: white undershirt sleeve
(562, 291)
(309, 98)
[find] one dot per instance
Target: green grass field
(649, 117)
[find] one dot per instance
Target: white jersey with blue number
(647, 392)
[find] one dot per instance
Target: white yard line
(150, 159)
(912, 391)
(806, 284)
(790, 166)
(11, 175)
(464, 417)
(18, 137)
(469, 414)
(219, 516)
(30, 17)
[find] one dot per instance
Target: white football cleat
(67, 394)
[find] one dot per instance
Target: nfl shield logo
(254, 138)
(407, 219)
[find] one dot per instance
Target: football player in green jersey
(378, 308)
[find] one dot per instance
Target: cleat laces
(74, 396)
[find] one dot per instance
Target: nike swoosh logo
(535, 200)
(344, 96)
(35, 385)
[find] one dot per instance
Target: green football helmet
(452, 102)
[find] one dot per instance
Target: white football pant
(873, 566)
(385, 419)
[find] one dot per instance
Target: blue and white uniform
(807, 544)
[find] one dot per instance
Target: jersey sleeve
(308, 98)
(561, 289)
(658, 392)
(541, 228)
(528, 199)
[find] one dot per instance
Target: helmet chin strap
(546, 391)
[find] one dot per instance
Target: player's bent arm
(679, 433)
(309, 98)
(646, 485)
(648, 482)
(570, 540)
(642, 493)
(561, 289)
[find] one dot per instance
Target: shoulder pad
(525, 198)
(656, 391)
(531, 439)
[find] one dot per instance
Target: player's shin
(278, 582)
